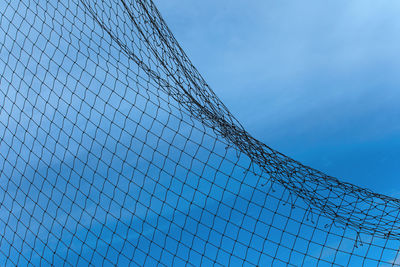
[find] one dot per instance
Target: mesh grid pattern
(115, 151)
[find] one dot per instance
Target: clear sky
(318, 81)
(85, 177)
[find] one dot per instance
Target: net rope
(115, 151)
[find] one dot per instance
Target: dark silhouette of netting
(115, 151)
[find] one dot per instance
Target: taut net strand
(115, 151)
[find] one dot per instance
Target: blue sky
(91, 156)
(318, 81)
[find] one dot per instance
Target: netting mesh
(115, 151)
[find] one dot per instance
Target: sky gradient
(103, 161)
(317, 81)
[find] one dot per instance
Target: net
(115, 151)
